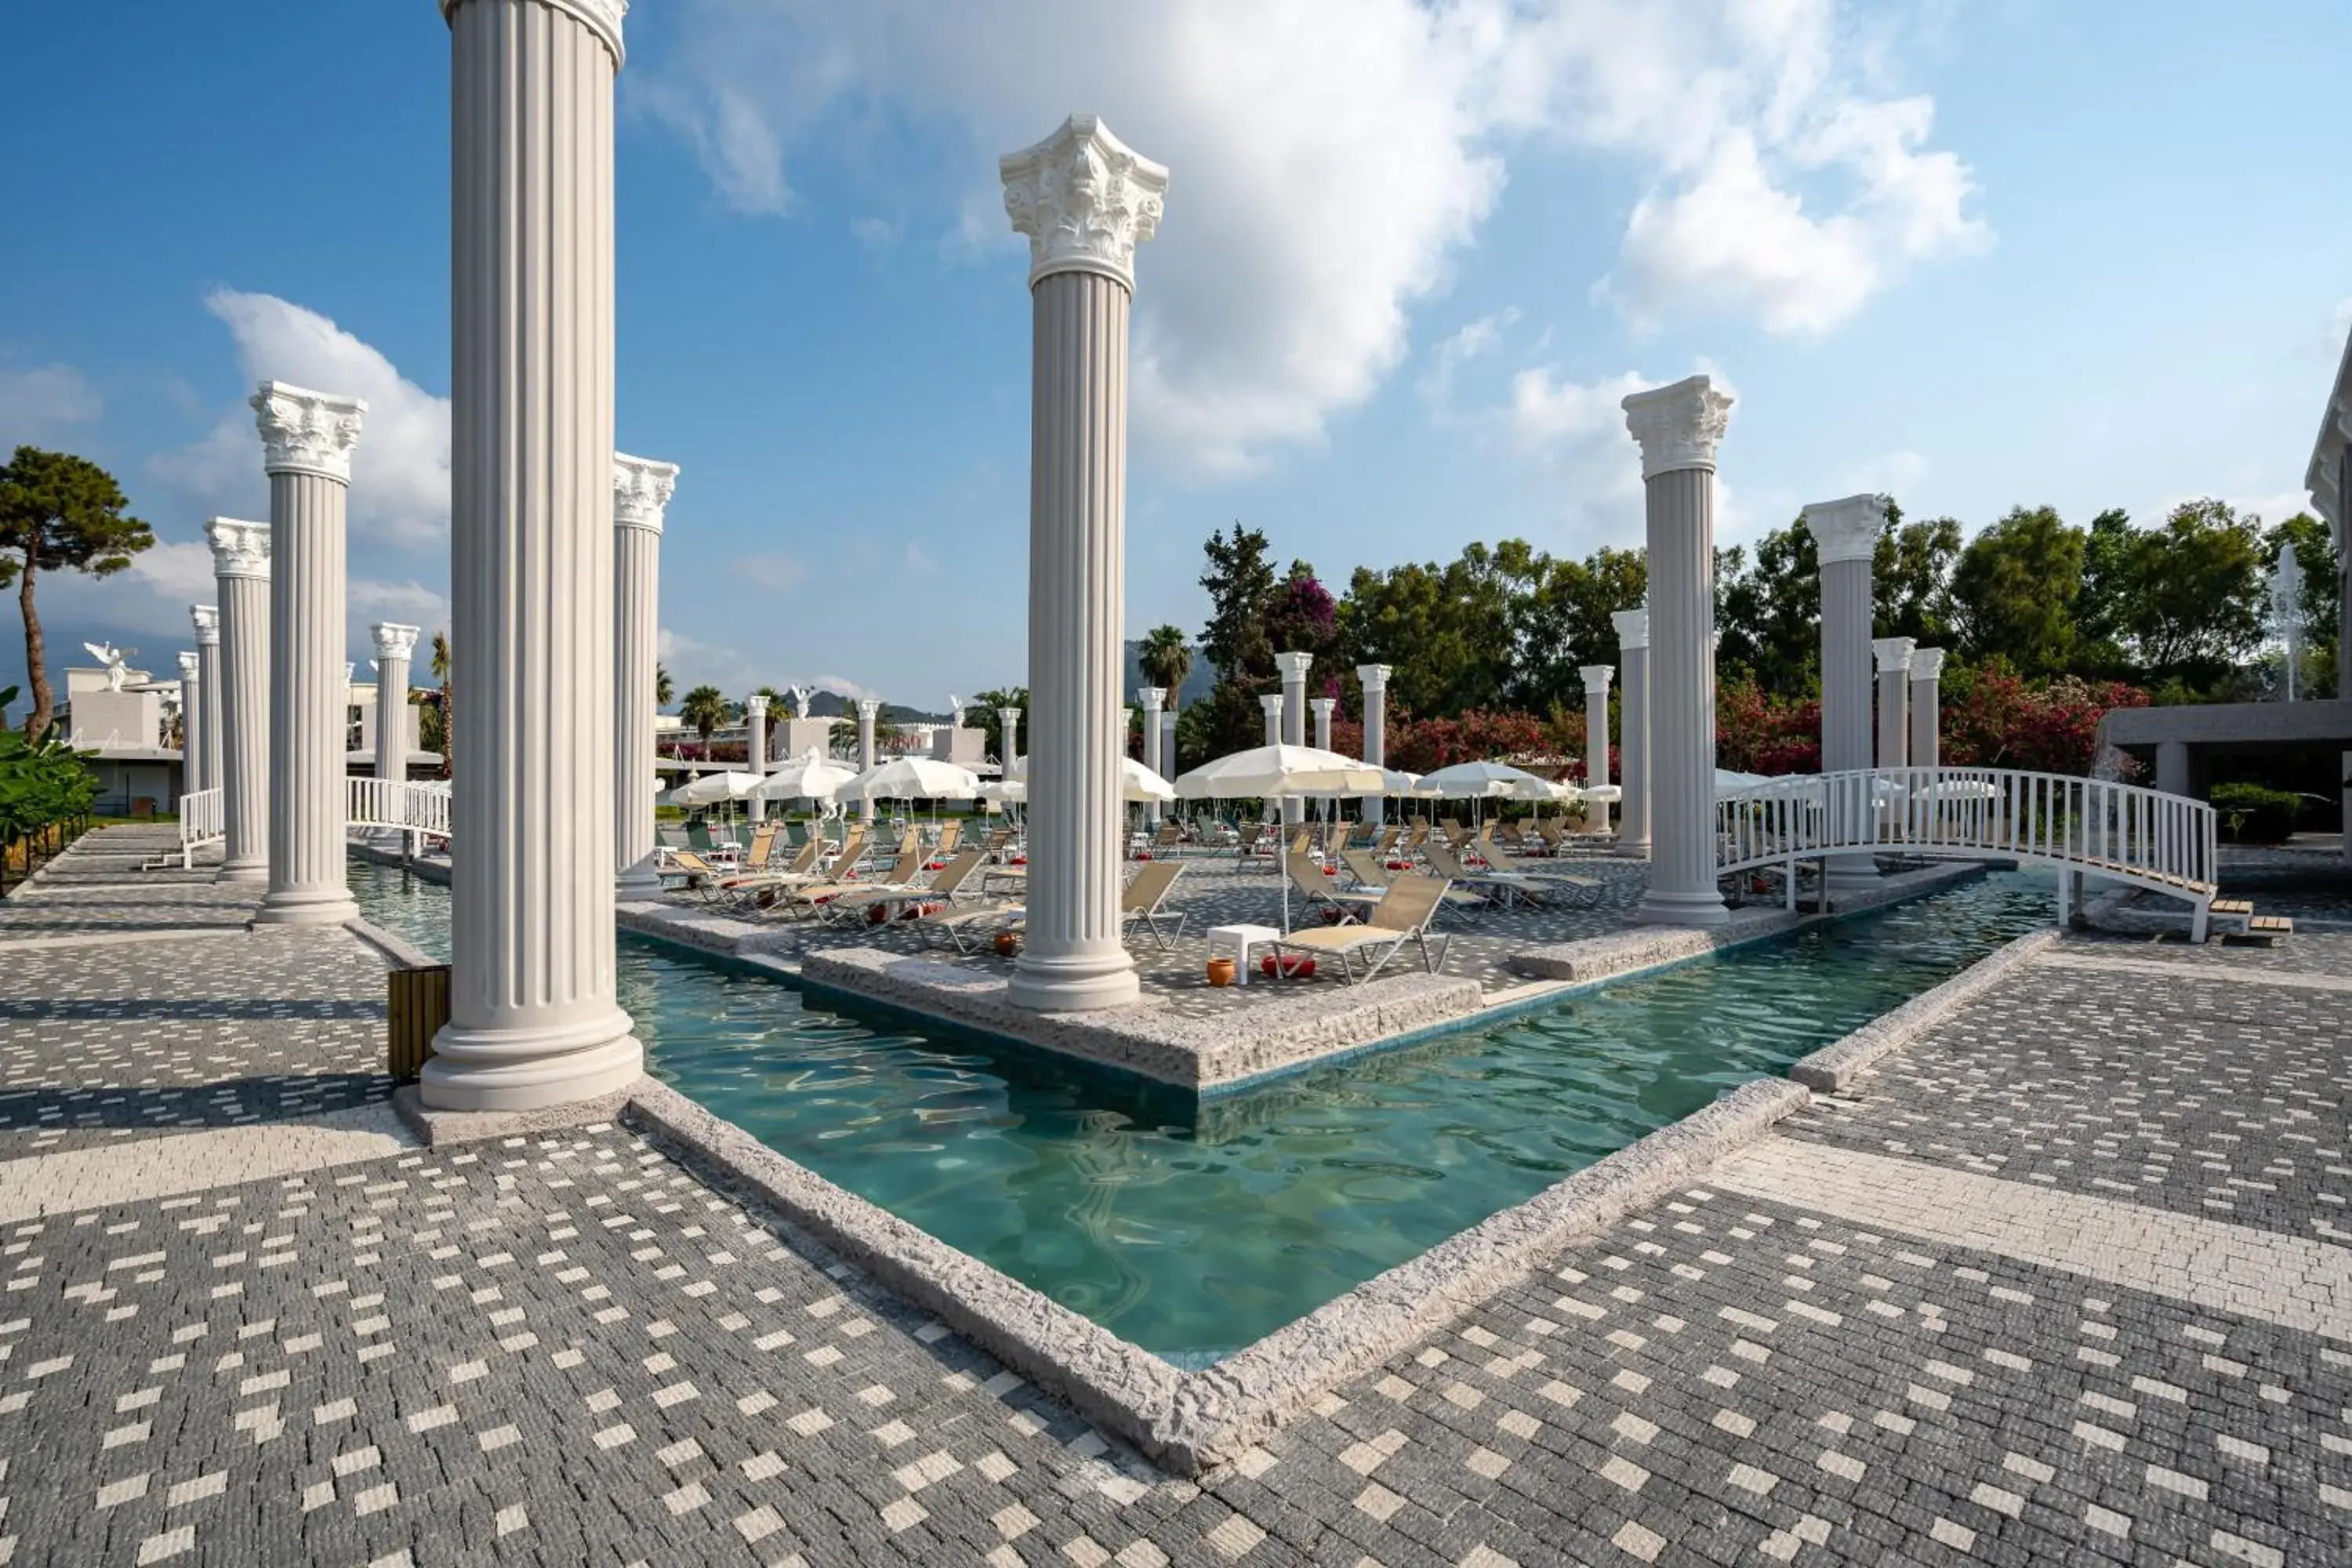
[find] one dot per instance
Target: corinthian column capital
(306, 432)
(1846, 530)
(1677, 426)
(641, 491)
(1084, 199)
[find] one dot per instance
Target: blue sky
(1978, 255)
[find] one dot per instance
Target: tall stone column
(1927, 708)
(1846, 535)
(1677, 427)
(1596, 739)
(1323, 707)
(307, 439)
(1085, 201)
(533, 1017)
(868, 710)
(755, 748)
(1152, 698)
(1894, 656)
(641, 495)
(394, 646)
(1375, 679)
(1294, 667)
(1008, 729)
(208, 675)
(1168, 745)
(192, 724)
(1271, 703)
(241, 574)
(1633, 729)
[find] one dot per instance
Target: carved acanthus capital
(306, 432)
(641, 491)
(393, 640)
(602, 17)
(207, 620)
(1153, 697)
(1846, 530)
(187, 667)
(1375, 678)
(239, 549)
(1597, 676)
(1893, 654)
(756, 706)
(1633, 628)
(1927, 664)
(1678, 426)
(1084, 199)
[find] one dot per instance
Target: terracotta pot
(1220, 971)
(1007, 943)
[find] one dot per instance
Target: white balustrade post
(1375, 679)
(755, 748)
(1085, 201)
(1294, 667)
(1633, 627)
(1927, 708)
(1152, 698)
(868, 710)
(534, 1017)
(307, 439)
(395, 644)
(1677, 427)
(241, 574)
(1845, 536)
(642, 490)
(207, 618)
(192, 725)
(1596, 740)
(1893, 655)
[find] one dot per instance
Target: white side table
(1237, 941)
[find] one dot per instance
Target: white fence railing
(398, 802)
(203, 819)
(2165, 843)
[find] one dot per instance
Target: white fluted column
(192, 723)
(1893, 655)
(533, 1016)
(1294, 667)
(1596, 740)
(307, 439)
(241, 574)
(1846, 535)
(641, 496)
(1151, 697)
(207, 618)
(1375, 679)
(1008, 729)
(755, 748)
(1270, 703)
(1633, 628)
(1168, 745)
(1927, 708)
(1323, 707)
(868, 708)
(1085, 201)
(1677, 427)
(395, 644)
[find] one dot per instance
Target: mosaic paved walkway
(2017, 1332)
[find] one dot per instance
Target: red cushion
(1297, 964)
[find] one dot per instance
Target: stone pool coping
(1833, 1068)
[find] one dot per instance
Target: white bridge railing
(2164, 842)
(397, 803)
(203, 819)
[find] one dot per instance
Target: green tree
(445, 671)
(706, 708)
(58, 512)
(664, 686)
(1770, 615)
(2184, 601)
(2013, 592)
(1912, 568)
(1167, 660)
(1241, 583)
(2323, 592)
(979, 713)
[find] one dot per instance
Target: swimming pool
(1193, 1230)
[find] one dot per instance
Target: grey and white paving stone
(565, 1349)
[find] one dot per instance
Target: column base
(242, 871)
(529, 1067)
(306, 907)
(639, 884)
(1078, 983)
(1849, 873)
(1657, 909)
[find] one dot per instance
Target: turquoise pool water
(1194, 1232)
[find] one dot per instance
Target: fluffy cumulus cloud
(1331, 159)
(400, 470)
(38, 403)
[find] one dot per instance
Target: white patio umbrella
(710, 789)
(1273, 772)
(912, 778)
(808, 776)
(1484, 781)
(1138, 785)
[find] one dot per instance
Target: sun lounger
(967, 924)
(1140, 903)
(905, 872)
(941, 885)
(1402, 916)
(1307, 877)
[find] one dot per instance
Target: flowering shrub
(1755, 732)
(1993, 719)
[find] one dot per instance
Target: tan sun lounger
(1403, 915)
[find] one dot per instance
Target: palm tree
(664, 687)
(706, 708)
(442, 666)
(1166, 658)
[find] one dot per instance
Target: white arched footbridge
(2142, 837)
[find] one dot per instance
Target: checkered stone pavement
(2211, 1094)
(97, 886)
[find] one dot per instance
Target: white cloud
(777, 573)
(1476, 341)
(693, 663)
(920, 558)
(1332, 158)
(874, 233)
(37, 405)
(180, 572)
(1896, 474)
(400, 470)
(410, 603)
